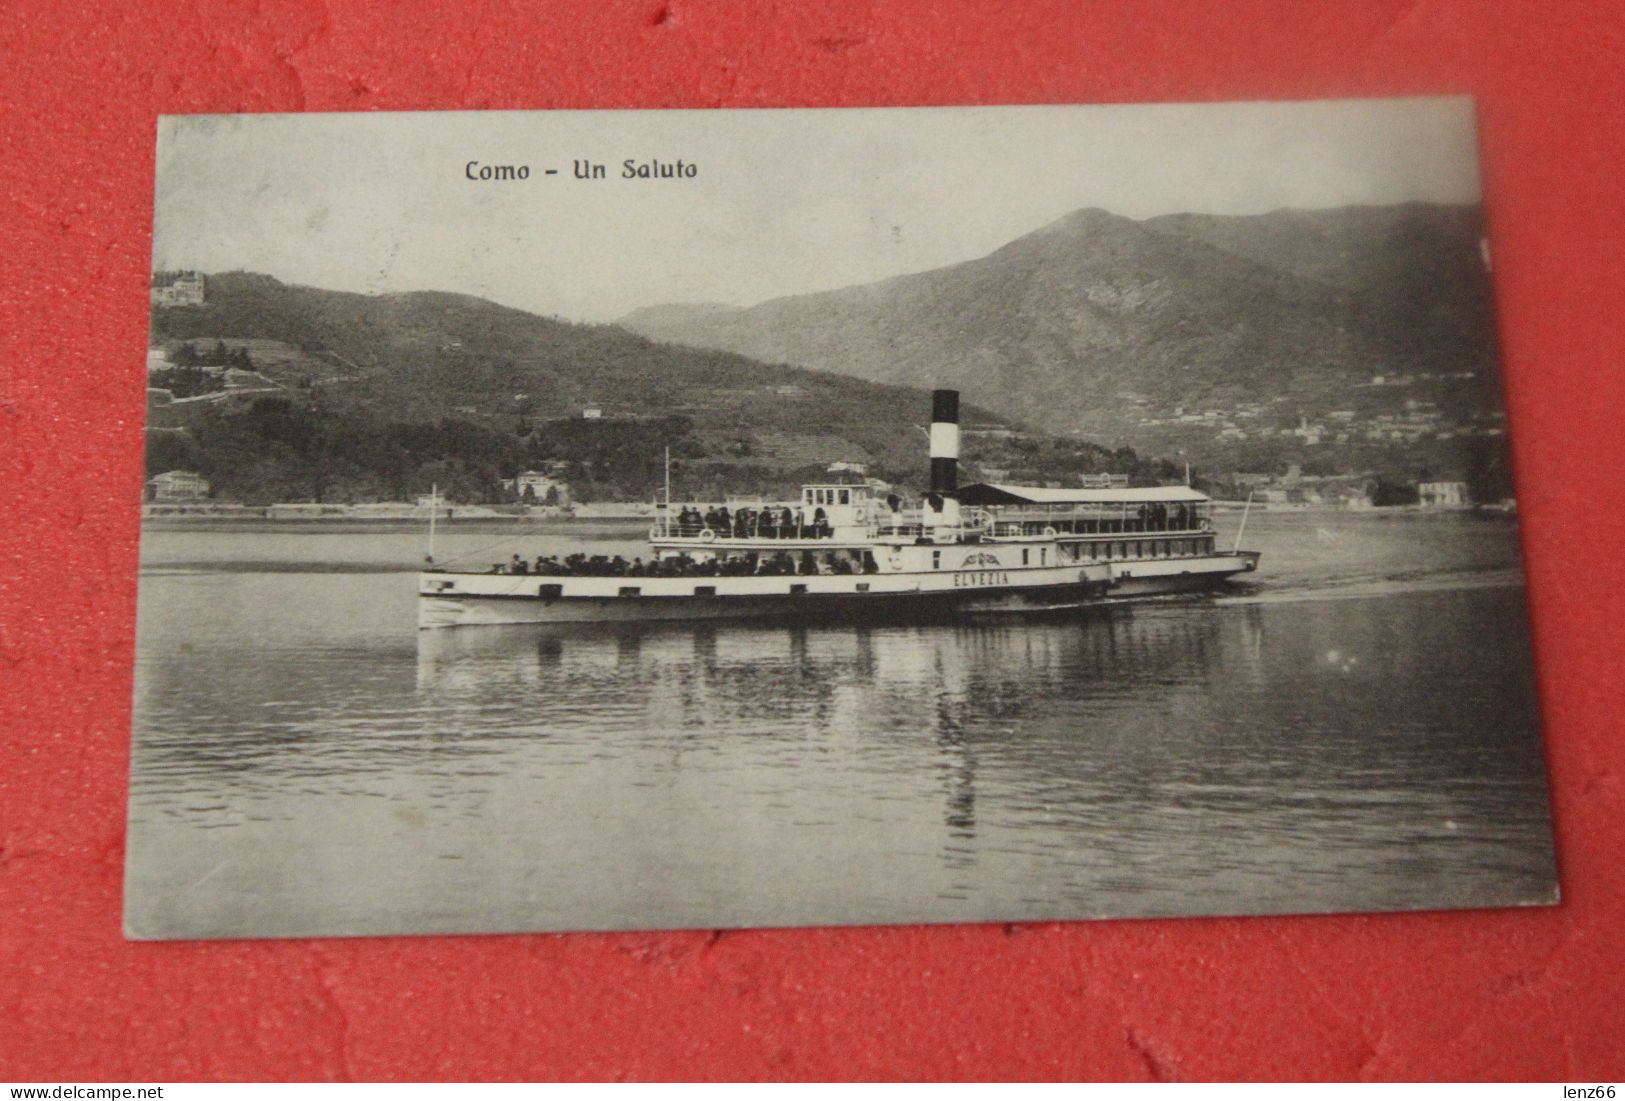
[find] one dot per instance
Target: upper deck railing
(776, 522)
(752, 527)
(771, 524)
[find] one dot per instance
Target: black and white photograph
(633, 520)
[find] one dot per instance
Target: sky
(782, 202)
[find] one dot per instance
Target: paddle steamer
(844, 552)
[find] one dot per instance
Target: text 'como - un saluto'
(587, 170)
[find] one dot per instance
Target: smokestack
(945, 442)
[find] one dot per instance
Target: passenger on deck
(517, 565)
(787, 523)
(820, 523)
(765, 524)
(725, 522)
(808, 566)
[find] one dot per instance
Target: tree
(170, 451)
(1387, 492)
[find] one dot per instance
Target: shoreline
(265, 520)
(362, 524)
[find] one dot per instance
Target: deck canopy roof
(987, 493)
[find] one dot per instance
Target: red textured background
(1492, 994)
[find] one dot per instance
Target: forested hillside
(388, 394)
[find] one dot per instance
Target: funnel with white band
(945, 442)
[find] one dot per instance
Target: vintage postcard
(673, 519)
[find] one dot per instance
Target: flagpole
(1248, 507)
(434, 507)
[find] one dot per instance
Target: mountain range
(1349, 341)
(1110, 326)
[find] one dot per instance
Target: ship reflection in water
(915, 709)
(1184, 758)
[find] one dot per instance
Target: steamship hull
(462, 600)
(821, 608)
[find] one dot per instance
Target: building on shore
(536, 486)
(1103, 481)
(178, 288)
(177, 485)
(1443, 494)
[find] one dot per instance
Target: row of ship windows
(554, 592)
(1145, 548)
(1112, 549)
(829, 496)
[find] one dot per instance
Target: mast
(1245, 510)
(434, 507)
(663, 509)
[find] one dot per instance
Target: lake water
(1356, 729)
